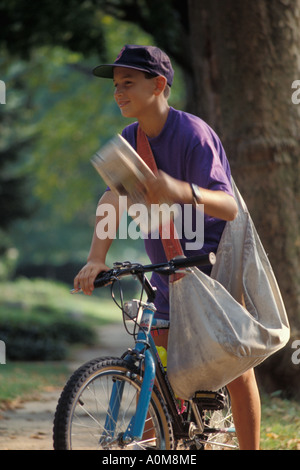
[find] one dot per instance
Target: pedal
(209, 400)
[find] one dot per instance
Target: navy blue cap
(149, 59)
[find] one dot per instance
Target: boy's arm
(165, 188)
(98, 250)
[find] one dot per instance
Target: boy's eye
(126, 83)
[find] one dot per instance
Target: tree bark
(246, 57)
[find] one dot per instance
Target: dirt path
(29, 427)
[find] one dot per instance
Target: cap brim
(106, 71)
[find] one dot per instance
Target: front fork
(141, 352)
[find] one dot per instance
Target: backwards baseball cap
(144, 58)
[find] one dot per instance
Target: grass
(20, 381)
(280, 424)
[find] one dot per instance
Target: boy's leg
(246, 410)
(245, 403)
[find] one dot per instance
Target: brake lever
(75, 291)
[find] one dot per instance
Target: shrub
(44, 337)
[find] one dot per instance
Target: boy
(192, 165)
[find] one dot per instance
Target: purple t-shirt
(189, 150)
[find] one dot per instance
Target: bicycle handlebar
(200, 260)
(124, 269)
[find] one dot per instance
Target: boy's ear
(160, 84)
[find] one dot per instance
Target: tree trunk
(246, 57)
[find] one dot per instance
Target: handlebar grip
(103, 278)
(199, 260)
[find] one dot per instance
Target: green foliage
(41, 336)
(71, 115)
(16, 137)
(57, 115)
(40, 320)
(38, 340)
(78, 121)
(72, 24)
(78, 26)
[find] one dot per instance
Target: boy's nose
(118, 91)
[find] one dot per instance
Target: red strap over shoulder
(169, 236)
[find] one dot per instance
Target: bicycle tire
(82, 406)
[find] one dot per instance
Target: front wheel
(85, 420)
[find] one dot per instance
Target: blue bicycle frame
(144, 349)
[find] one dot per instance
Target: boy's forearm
(100, 246)
(216, 203)
(163, 187)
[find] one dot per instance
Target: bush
(22, 348)
(39, 319)
(42, 338)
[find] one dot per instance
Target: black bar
(200, 260)
(106, 277)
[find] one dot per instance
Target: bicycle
(127, 403)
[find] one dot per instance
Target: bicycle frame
(145, 350)
(141, 352)
(146, 353)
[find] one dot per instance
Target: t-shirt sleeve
(208, 168)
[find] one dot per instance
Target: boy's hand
(164, 188)
(87, 275)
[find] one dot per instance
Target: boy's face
(134, 93)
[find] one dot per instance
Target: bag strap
(171, 244)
